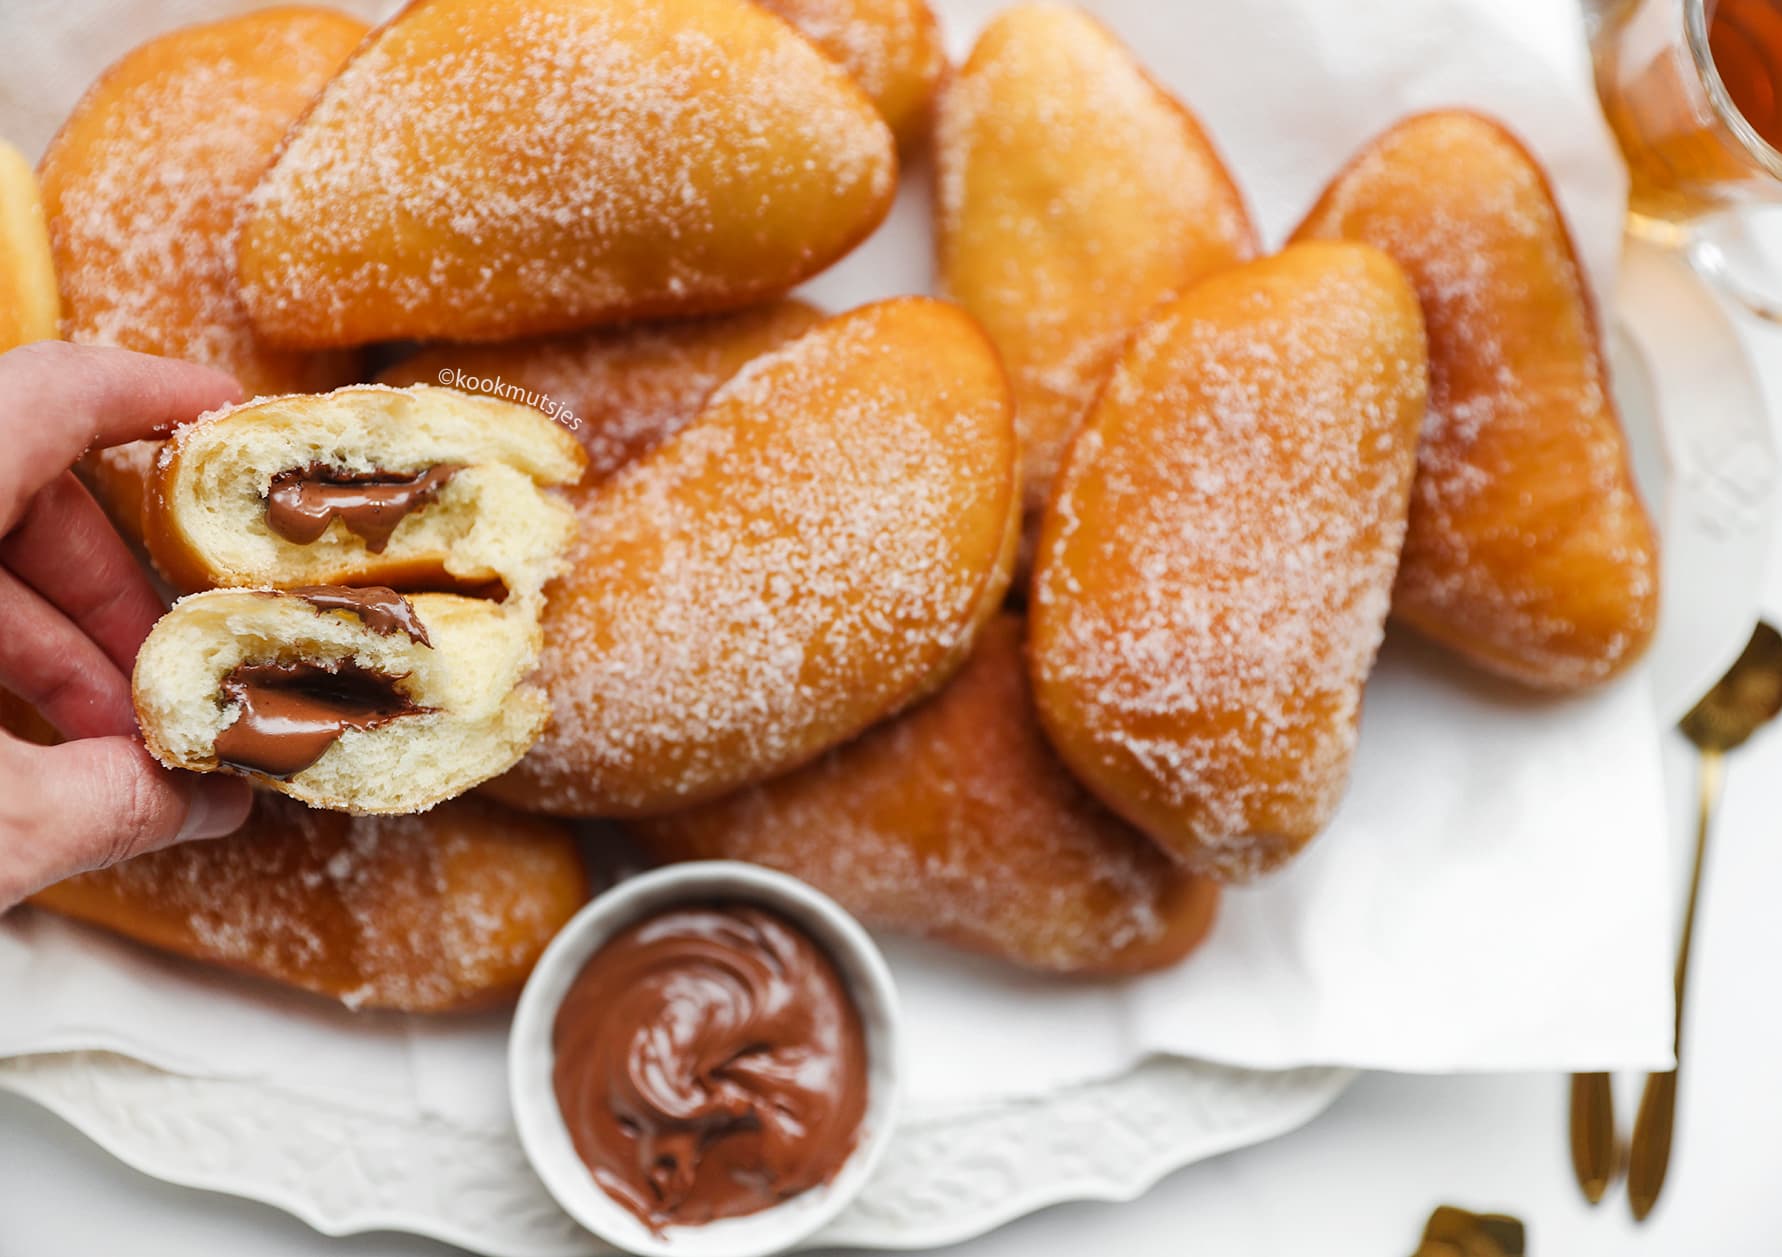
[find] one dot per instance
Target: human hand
(74, 607)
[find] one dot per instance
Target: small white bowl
(530, 1057)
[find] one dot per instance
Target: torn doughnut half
(420, 487)
(356, 700)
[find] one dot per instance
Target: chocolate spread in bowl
(710, 1063)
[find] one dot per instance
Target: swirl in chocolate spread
(303, 501)
(710, 1063)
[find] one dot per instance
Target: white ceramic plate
(1706, 459)
(941, 1181)
(1709, 467)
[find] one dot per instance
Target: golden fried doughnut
(1073, 195)
(1529, 552)
(119, 478)
(356, 700)
(891, 47)
(484, 169)
(143, 184)
(28, 303)
(366, 485)
(1214, 572)
(19, 718)
(956, 821)
(816, 550)
(142, 187)
(432, 913)
(626, 390)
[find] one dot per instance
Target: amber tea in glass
(1693, 92)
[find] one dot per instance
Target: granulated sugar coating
(891, 47)
(143, 185)
(628, 388)
(491, 168)
(956, 821)
(1212, 582)
(810, 554)
(1073, 196)
(1528, 548)
(422, 914)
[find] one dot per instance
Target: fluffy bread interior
(484, 715)
(494, 520)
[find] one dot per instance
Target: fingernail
(216, 806)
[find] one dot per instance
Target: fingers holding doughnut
(102, 396)
(99, 801)
(66, 550)
(57, 669)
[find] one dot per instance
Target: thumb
(91, 803)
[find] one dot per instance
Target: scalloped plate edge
(54, 1081)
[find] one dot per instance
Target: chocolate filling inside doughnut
(379, 608)
(302, 502)
(292, 712)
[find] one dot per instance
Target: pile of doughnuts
(1023, 618)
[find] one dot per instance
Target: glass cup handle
(1739, 252)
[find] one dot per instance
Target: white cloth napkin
(1494, 893)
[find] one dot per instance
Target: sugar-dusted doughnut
(421, 487)
(814, 551)
(144, 182)
(29, 309)
(1073, 194)
(485, 169)
(891, 47)
(423, 914)
(356, 700)
(621, 391)
(1214, 572)
(142, 187)
(1529, 552)
(956, 821)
